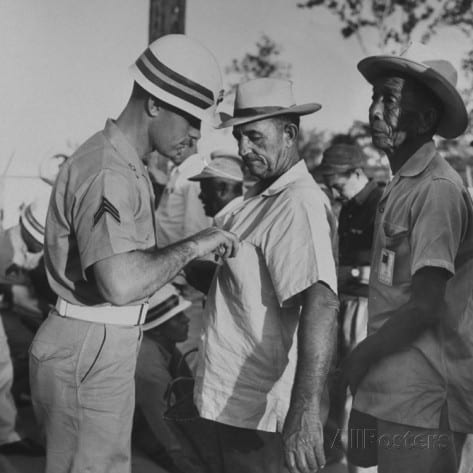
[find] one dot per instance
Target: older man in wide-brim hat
(412, 375)
(271, 312)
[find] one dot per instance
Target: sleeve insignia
(106, 207)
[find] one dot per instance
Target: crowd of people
(228, 314)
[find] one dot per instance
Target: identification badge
(386, 267)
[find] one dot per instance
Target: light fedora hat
(258, 99)
(223, 165)
(164, 305)
(439, 75)
(181, 72)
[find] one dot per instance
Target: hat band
(162, 308)
(252, 112)
(172, 82)
(32, 220)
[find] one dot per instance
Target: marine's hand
(303, 440)
(215, 240)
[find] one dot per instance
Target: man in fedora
(103, 262)
(412, 375)
(271, 311)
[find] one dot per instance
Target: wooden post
(166, 17)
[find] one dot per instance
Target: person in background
(20, 251)
(179, 215)
(221, 184)
(159, 362)
(411, 376)
(179, 212)
(221, 188)
(342, 168)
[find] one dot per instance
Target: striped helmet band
(173, 82)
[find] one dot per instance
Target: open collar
(361, 197)
(419, 161)
(295, 173)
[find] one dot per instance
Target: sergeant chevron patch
(106, 207)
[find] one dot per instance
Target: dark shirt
(355, 231)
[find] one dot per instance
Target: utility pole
(166, 17)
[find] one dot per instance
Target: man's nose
(376, 110)
(243, 146)
(194, 133)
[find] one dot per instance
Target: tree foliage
(264, 62)
(397, 21)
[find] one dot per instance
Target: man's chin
(381, 142)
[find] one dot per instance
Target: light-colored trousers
(7, 405)
(82, 387)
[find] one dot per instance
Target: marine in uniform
(103, 263)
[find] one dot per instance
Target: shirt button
(381, 209)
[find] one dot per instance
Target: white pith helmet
(181, 72)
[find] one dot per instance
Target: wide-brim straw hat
(259, 99)
(183, 73)
(438, 75)
(164, 305)
(223, 165)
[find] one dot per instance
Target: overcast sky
(64, 65)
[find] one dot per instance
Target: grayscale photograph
(236, 236)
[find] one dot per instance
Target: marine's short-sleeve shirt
(248, 355)
(101, 205)
(424, 219)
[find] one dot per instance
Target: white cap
(163, 305)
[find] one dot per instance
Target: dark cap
(341, 158)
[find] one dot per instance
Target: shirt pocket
(396, 240)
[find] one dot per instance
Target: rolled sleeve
(298, 250)
(104, 221)
(439, 217)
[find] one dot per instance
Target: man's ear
(222, 190)
(291, 133)
(152, 106)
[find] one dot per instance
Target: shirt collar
(122, 145)
(419, 161)
(296, 172)
(230, 206)
(361, 197)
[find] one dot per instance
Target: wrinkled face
(209, 196)
(173, 134)
(262, 146)
(176, 328)
(394, 112)
(345, 185)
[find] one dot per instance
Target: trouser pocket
(91, 351)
